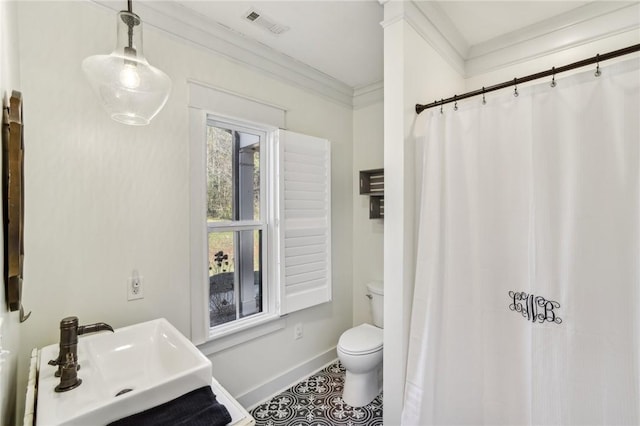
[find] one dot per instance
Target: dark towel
(196, 408)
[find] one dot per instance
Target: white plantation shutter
(304, 220)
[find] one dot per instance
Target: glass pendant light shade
(131, 90)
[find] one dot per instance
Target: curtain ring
(441, 104)
(553, 79)
(484, 100)
(597, 73)
(515, 89)
(455, 103)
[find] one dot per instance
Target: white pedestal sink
(146, 364)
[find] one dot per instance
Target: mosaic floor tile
(317, 401)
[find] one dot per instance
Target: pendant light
(131, 90)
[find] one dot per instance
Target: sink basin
(123, 373)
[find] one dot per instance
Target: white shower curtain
(527, 294)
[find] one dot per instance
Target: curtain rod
(553, 71)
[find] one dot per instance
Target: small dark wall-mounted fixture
(372, 184)
(13, 202)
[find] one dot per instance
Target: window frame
(203, 107)
(268, 174)
(284, 209)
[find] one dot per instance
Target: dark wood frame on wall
(13, 201)
(372, 184)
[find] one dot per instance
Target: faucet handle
(68, 322)
(69, 378)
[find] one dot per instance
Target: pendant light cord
(130, 23)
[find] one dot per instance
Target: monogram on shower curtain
(527, 295)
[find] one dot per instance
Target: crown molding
(183, 23)
(591, 22)
(433, 13)
(368, 95)
(434, 35)
(594, 21)
(432, 25)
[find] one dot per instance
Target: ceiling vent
(257, 18)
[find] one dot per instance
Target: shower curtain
(527, 295)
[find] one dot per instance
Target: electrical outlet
(297, 331)
(135, 289)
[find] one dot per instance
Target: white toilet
(360, 352)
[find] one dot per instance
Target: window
(235, 221)
(260, 216)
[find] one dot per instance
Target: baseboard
(265, 391)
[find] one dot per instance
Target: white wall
(557, 59)
(368, 234)
(104, 198)
(413, 71)
(9, 322)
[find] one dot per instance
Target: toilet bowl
(360, 352)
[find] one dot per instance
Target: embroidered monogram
(534, 308)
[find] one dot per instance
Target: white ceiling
(480, 21)
(335, 47)
(344, 39)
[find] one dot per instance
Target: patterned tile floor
(317, 401)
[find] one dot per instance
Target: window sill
(226, 338)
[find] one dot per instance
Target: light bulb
(129, 76)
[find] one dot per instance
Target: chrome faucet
(67, 360)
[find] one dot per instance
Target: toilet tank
(376, 300)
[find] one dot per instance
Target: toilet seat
(361, 340)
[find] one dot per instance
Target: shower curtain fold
(527, 286)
